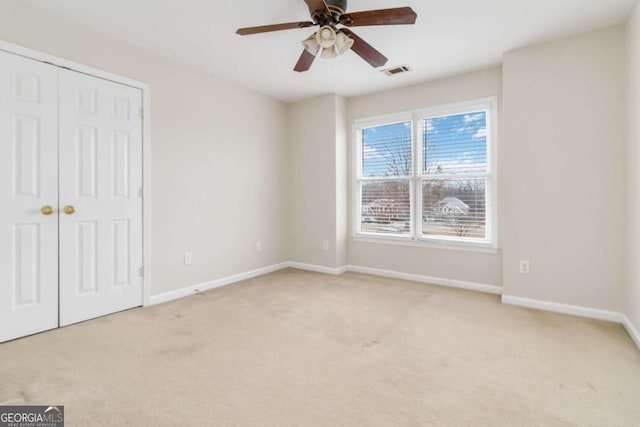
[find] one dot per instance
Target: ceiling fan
(331, 40)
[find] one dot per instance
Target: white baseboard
(496, 290)
(610, 316)
(480, 287)
(574, 310)
(631, 330)
(317, 268)
(190, 290)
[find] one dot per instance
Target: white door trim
(146, 139)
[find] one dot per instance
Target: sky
(451, 144)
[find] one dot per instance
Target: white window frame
(417, 118)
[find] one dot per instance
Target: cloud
(466, 129)
(482, 133)
(371, 153)
(430, 126)
(469, 161)
(469, 118)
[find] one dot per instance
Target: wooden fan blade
(365, 50)
(318, 6)
(396, 16)
(275, 27)
(305, 61)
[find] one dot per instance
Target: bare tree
(400, 157)
(460, 224)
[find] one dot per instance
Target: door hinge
(142, 271)
(142, 113)
(141, 192)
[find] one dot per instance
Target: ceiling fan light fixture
(343, 43)
(327, 42)
(326, 37)
(329, 52)
(311, 44)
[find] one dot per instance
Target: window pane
(386, 150)
(386, 207)
(454, 208)
(455, 144)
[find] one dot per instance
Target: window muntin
(430, 178)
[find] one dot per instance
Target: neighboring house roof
(451, 205)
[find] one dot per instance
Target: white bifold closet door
(70, 197)
(100, 197)
(28, 197)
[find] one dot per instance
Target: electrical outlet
(188, 258)
(525, 266)
(325, 245)
(258, 246)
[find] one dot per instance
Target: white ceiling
(450, 37)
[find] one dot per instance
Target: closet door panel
(100, 182)
(28, 196)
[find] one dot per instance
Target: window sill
(431, 244)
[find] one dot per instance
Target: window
(427, 176)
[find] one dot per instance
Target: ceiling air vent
(397, 70)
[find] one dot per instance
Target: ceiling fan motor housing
(337, 7)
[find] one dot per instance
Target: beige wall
(342, 183)
(563, 170)
(632, 290)
(448, 264)
(218, 154)
(318, 181)
(312, 180)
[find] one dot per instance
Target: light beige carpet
(304, 349)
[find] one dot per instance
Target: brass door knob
(69, 210)
(46, 210)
